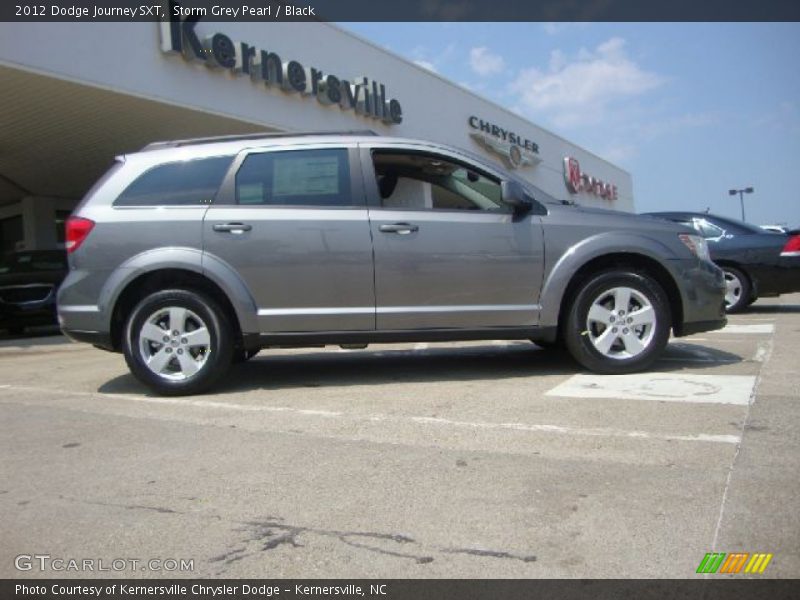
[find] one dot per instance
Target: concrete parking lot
(486, 459)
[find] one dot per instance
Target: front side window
(426, 181)
(295, 178)
(191, 182)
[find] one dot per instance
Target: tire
(594, 335)
(738, 291)
(16, 330)
(187, 363)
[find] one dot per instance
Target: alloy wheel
(621, 323)
(174, 343)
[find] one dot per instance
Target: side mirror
(515, 196)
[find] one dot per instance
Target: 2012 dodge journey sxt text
(190, 255)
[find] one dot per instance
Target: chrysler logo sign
(515, 150)
(578, 181)
(363, 96)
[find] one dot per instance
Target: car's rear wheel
(738, 292)
(619, 322)
(178, 342)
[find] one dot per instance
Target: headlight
(696, 245)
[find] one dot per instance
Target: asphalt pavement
(484, 459)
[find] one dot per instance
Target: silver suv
(190, 255)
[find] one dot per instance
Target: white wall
(126, 57)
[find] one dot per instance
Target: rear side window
(186, 183)
(295, 178)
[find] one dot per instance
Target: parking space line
(761, 352)
(663, 387)
(419, 420)
(747, 329)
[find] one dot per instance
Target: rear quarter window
(185, 183)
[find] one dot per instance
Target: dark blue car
(757, 263)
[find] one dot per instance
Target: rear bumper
(782, 277)
(98, 339)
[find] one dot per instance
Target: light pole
(742, 192)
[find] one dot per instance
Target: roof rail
(249, 136)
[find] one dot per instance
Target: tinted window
(708, 230)
(192, 182)
(295, 178)
(420, 181)
(736, 227)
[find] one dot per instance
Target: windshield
(26, 262)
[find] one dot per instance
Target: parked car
(757, 263)
(191, 254)
(28, 284)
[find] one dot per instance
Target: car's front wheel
(619, 322)
(178, 342)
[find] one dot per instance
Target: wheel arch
(156, 280)
(622, 261)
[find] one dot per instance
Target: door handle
(401, 228)
(232, 227)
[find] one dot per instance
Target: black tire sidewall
(221, 346)
(747, 290)
(581, 347)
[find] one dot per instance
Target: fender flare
(187, 259)
(596, 246)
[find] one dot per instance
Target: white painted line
(711, 389)
(761, 352)
(756, 328)
(525, 427)
(601, 432)
(421, 346)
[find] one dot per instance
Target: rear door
(293, 224)
(448, 252)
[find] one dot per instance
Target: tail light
(78, 229)
(792, 247)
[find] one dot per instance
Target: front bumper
(702, 286)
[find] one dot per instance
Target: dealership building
(75, 95)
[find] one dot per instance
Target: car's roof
(726, 222)
(228, 145)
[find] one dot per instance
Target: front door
(448, 252)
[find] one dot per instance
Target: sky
(691, 110)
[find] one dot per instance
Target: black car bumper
(702, 286)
